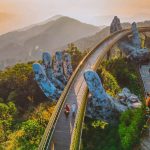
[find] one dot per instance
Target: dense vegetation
(24, 109)
(76, 54)
(116, 74)
(126, 73)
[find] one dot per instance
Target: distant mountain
(23, 45)
(52, 35)
(91, 41)
(106, 20)
(145, 23)
(140, 24)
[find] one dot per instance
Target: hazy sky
(18, 13)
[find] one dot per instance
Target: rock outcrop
(101, 105)
(115, 25)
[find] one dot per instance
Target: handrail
(77, 132)
(45, 142)
(75, 141)
(46, 139)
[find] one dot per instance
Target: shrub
(109, 81)
(31, 133)
(131, 123)
(17, 84)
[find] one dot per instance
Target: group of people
(68, 109)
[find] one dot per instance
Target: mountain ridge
(17, 46)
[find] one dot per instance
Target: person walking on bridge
(73, 108)
(67, 110)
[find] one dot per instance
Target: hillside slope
(18, 45)
(91, 41)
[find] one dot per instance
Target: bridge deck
(64, 127)
(145, 74)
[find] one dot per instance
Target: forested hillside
(24, 109)
(125, 135)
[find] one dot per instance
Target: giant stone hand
(47, 64)
(44, 83)
(103, 106)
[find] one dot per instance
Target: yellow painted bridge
(65, 133)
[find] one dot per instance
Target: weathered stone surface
(136, 37)
(47, 65)
(115, 25)
(128, 99)
(133, 53)
(58, 67)
(134, 50)
(101, 105)
(67, 65)
(50, 80)
(44, 83)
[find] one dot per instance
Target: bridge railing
(77, 132)
(47, 137)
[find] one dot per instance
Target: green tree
(109, 81)
(32, 133)
(12, 96)
(7, 113)
(1, 100)
(131, 123)
(76, 54)
(17, 84)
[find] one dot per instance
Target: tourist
(73, 108)
(67, 110)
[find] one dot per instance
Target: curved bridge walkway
(62, 135)
(64, 126)
(145, 75)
